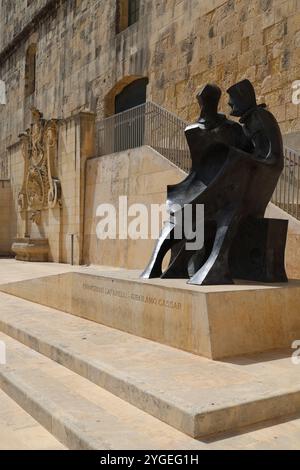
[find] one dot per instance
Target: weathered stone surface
(80, 58)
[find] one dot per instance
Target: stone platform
(215, 322)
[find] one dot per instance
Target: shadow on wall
(7, 219)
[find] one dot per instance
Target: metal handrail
(147, 124)
(287, 193)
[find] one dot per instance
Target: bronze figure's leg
(185, 263)
(163, 245)
(216, 269)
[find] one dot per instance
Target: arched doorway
(130, 125)
(131, 96)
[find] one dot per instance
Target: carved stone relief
(41, 188)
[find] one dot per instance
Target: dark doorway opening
(132, 95)
(129, 122)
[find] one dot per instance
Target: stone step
(19, 431)
(78, 413)
(274, 435)
(193, 394)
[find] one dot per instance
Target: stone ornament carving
(40, 189)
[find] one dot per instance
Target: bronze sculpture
(235, 169)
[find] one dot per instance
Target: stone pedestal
(213, 321)
(31, 249)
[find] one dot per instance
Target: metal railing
(147, 124)
(287, 193)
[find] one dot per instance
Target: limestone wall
(17, 15)
(179, 44)
(140, 174)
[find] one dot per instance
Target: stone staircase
(78, 384)
(77, 412)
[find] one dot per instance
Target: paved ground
(12, 270)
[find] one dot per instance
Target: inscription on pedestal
(122, 294)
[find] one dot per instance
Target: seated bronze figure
(235, 169)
